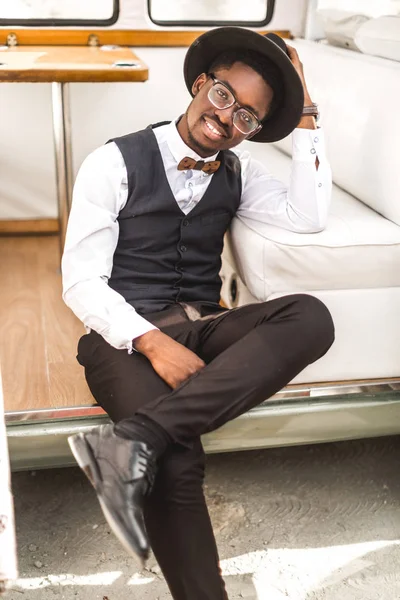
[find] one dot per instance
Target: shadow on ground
(302, 523)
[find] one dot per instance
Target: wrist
(307, 122)
(148, 342)
(310, 114)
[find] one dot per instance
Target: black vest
(164, 256)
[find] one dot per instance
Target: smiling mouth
(213, 129)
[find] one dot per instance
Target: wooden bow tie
(199, 165)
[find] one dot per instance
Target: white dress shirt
(101, 191)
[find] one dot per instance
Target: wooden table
(61, 65)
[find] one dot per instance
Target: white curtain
(368, 8)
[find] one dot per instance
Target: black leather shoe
(122, 473)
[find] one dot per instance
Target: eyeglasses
(221, 97)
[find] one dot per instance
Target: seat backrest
(359, 99)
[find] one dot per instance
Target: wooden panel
(22, 352)
(140, 37)
(10, 227)
(38, 333)
(62, 331)
(69, 63)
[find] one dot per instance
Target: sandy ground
(306, 523)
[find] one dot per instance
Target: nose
(226, 115)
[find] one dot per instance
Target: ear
(198, 84)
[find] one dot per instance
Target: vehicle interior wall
(99, 111)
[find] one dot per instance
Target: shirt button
(183, 248)
(316, 140)
(190, 184)
(185, 223)
(313, 150)
(320, 185)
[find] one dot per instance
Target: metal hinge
(12, 39)
(93, 40)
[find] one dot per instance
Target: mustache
(224, 128)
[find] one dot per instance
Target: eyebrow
(250, 108)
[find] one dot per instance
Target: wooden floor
(38, 333)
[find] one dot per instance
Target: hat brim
(206, 48)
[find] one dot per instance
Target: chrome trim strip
(364, 387)
(45, 444)
(45, 414)
(317, 393)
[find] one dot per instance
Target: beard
(203, 149)
(199, 147)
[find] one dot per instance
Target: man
(141, 270)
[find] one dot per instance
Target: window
(254, 13)
(56, 12)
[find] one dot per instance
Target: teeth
(213, 129)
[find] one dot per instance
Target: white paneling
(99, 111)
(103, 111)
(27, 170)
(289, 14)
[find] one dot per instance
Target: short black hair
(264, 67)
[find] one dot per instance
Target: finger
(193, 370)
(293, 55)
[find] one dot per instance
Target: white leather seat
(354, 265)
(359, 249)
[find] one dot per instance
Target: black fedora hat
(206, 48)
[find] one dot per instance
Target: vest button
(183, 248)
(185, 223)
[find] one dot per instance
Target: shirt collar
(177, 146)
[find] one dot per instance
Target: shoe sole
(84, 456)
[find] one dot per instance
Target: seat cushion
(359, 249)
(367, 336)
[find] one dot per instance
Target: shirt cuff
(307, 144)
(125, 329)
(140, 327)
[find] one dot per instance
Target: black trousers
(250, 354)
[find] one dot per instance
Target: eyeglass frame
(215, 80)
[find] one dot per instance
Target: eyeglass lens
(222, 98)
